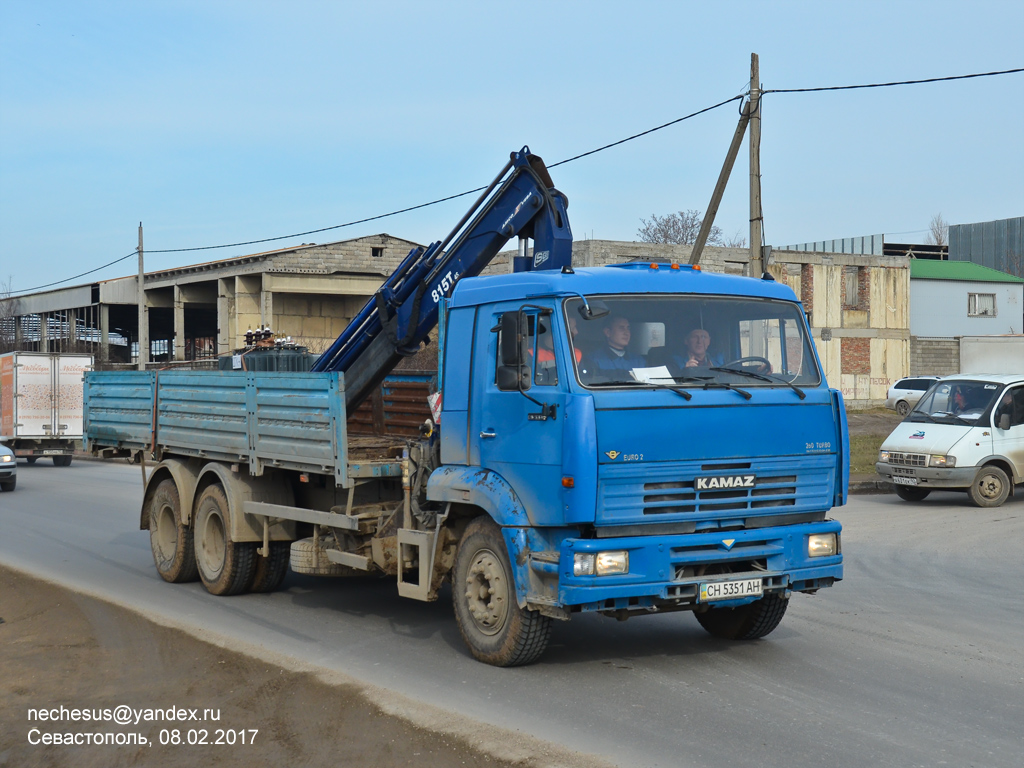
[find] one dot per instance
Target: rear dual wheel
(169, 538)
(226, 567)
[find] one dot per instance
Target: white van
(965, 433)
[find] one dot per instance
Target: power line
(554, 165)
(443, 199)
(889, 85)
(69, 279)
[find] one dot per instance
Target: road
(914, 659)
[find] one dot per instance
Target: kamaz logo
(726, 481)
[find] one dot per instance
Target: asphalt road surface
(914, 659)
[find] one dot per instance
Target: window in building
(850, 279)
(981, 305)
(377, 252)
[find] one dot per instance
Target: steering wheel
(764, 361)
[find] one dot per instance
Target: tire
(903, 408)
(62, 461)
(10, 485)
(493, 626)
(747, 622)
(225, 567)
(31, 459)
(270, 571)
(169, 538)
(990, 488)
(302, 561)
(911, 493)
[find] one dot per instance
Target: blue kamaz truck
(626, 440)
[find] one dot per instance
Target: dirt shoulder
(59, 648)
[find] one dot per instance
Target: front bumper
(666, 571)
(8, 470)
(929, 477)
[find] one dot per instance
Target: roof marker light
(674, 266)
(653, 265)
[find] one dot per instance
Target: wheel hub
(487, 592)
(990, 487)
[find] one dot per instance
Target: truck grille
(908, 459)
(666, 492)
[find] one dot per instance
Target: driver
(696, 350)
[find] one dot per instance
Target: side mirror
(511, 335)
(592, 310)
(513, 377)
(1004, 421)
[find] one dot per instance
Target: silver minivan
(905, 393)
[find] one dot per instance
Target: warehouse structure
(308, 292)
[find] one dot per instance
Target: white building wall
(938, 308)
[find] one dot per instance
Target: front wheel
(990, 488)
(493, 626)
(911, 493)
(225, 567)
(747, 622)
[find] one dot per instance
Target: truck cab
(625, 475)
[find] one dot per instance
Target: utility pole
(723, 179)
(756, 229)
(143, 313)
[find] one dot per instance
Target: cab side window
(536, 353)
(1012, 403)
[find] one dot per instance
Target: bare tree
(677, 228)
(736, 241)
(938, 231)
(10, 308)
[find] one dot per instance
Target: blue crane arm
(521, 201)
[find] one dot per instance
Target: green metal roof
(928, 269)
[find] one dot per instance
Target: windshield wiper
(762, 377)
(724, 385)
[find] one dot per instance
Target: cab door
(518, 406)
(1010, 442)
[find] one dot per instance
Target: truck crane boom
(521, 201)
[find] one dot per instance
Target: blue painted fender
(479, 487)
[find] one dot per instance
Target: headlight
(583, 564)
(612, 562)
(883, 456)
(942, 461)
(822, 545)
(6, 459)
(600, 563)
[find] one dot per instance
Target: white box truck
(41, 404)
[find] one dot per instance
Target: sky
(218, 121)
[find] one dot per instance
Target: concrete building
(308, 292)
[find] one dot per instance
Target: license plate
(730, 590)
(53, 453)
(904, 480)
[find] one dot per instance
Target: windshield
(691, 341)
(955, 402)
